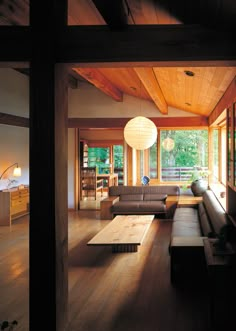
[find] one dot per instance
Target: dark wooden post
(48, 173)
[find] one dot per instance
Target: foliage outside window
(99, 157)
(190, 152)
(215, 155)
(153, 161)
(118, 156)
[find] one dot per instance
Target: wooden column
(48, 173)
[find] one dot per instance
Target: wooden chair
(89, 182)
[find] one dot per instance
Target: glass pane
(182, 153)
(215, 176)
(99, 157)
(229, 143)
(118, 162)
(153, 161)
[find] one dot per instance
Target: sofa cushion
(131, 197)
(186, 214)
(152, 206)
(186, 229)
(155, 189)
(139, 206)
(154, 197)
(215, 211)
(123, 206)
(204, 221)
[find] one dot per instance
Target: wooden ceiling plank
(150, 82)
(84, 12)
(95, 77)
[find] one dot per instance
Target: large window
(182, 151)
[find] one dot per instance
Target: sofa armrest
(171, 205)
(105, 206)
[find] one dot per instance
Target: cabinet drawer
(19, 201)
(19, 193)
(19, 209)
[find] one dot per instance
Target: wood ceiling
(164, 86)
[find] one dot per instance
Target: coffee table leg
(121, 248)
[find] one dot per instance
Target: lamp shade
(140, 133)
(168, 144)
(17, 172)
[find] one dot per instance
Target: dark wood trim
(162, 45)
(120, 123)
(14, 120)
(15, 44)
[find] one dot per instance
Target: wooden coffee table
(124, 233)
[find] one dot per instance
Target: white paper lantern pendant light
(140, 133)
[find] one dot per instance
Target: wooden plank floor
(107, 292)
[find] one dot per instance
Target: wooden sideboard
(13, 204)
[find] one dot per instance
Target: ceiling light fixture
(189, 73)
(140, 133)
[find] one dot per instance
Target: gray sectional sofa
(207, 219)
(140, 199)
(190, 226)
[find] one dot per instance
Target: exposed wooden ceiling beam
(162, 45)
(113, 12)
(158, 45)
(95, 77)
(161, 122)
(148, 78)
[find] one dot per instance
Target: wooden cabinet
(13, 204)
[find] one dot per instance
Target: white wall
(87, 101)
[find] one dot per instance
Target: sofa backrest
(215, 212)
(147, 191)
